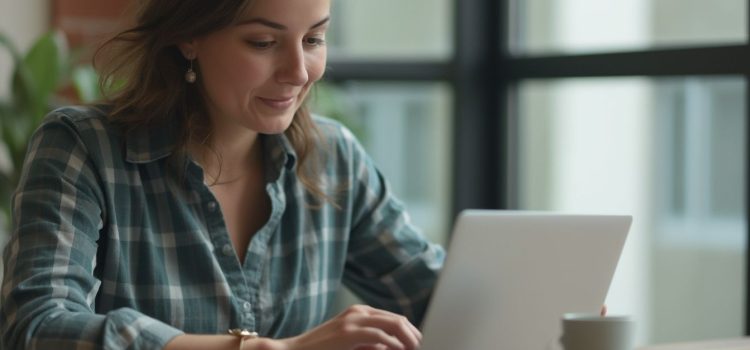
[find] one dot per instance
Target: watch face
(243, 333)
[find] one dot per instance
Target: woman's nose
(292, 69)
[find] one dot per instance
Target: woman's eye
(260, 44)
(313, 41)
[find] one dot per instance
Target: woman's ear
(188, 49)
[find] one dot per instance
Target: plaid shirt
(112, 248)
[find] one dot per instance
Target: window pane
(405, 128)
(414, 29)
(671, 152)
(572, 26)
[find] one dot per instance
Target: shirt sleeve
(390, 264)
(49, 288)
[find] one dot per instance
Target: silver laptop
(510, 276)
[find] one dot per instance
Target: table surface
(723, 344)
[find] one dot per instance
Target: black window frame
(484, 77)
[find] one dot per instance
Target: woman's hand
(359, 327)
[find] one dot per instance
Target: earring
(190, 75)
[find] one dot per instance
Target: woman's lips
(278, 103)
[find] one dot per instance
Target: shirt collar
(280, 152)
(149, 143)
(153, 142)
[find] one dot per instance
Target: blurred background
(629, 107)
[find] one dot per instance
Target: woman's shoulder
(80, 117)
(334, 131)
(81, 112)
(87, 124)
(339, 144)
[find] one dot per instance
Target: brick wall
(86, 23)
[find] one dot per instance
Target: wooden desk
(724, 344)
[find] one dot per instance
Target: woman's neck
(227, 156)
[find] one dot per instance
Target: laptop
(510, 276)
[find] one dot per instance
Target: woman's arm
(49, 288)
(390, 264)
(216, 342)
(359, 327)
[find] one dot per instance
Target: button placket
(247, 313)
(227, 250)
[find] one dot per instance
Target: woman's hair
(142, 76)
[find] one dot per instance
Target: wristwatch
(243, 334)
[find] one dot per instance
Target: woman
(203, 199)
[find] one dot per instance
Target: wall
(87, 23)
(22, 22)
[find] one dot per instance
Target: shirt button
(247, 306)
(212, 206)
(227, 250)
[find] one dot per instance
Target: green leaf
(6, 161)
(16, 132)
(5, 110)
(7, 186)
(23, 93)
(15, 129)
(46, 62)
(22, 84)
(12, 49)
(36, 77)
(86, 83)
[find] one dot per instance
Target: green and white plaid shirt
(116, 245)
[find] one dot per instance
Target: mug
(595, 332)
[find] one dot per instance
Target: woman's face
(257, 73)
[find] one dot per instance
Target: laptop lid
(510, 276)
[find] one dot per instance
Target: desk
(724, 344)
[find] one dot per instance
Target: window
(577, 26)
(389, 29)
(635, 107)
(668, 151)
(581, 105)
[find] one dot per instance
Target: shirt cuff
(156, 334)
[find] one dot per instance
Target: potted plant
(37, 77)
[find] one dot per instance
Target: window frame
(484, 75)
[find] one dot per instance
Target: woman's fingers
(404, 320)
(374, 336)
(360, 327)
(395, 326)
(373, 347)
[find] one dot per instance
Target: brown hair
(143, 70)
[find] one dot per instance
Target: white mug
(595, 332)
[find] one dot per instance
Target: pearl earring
(190, 75)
